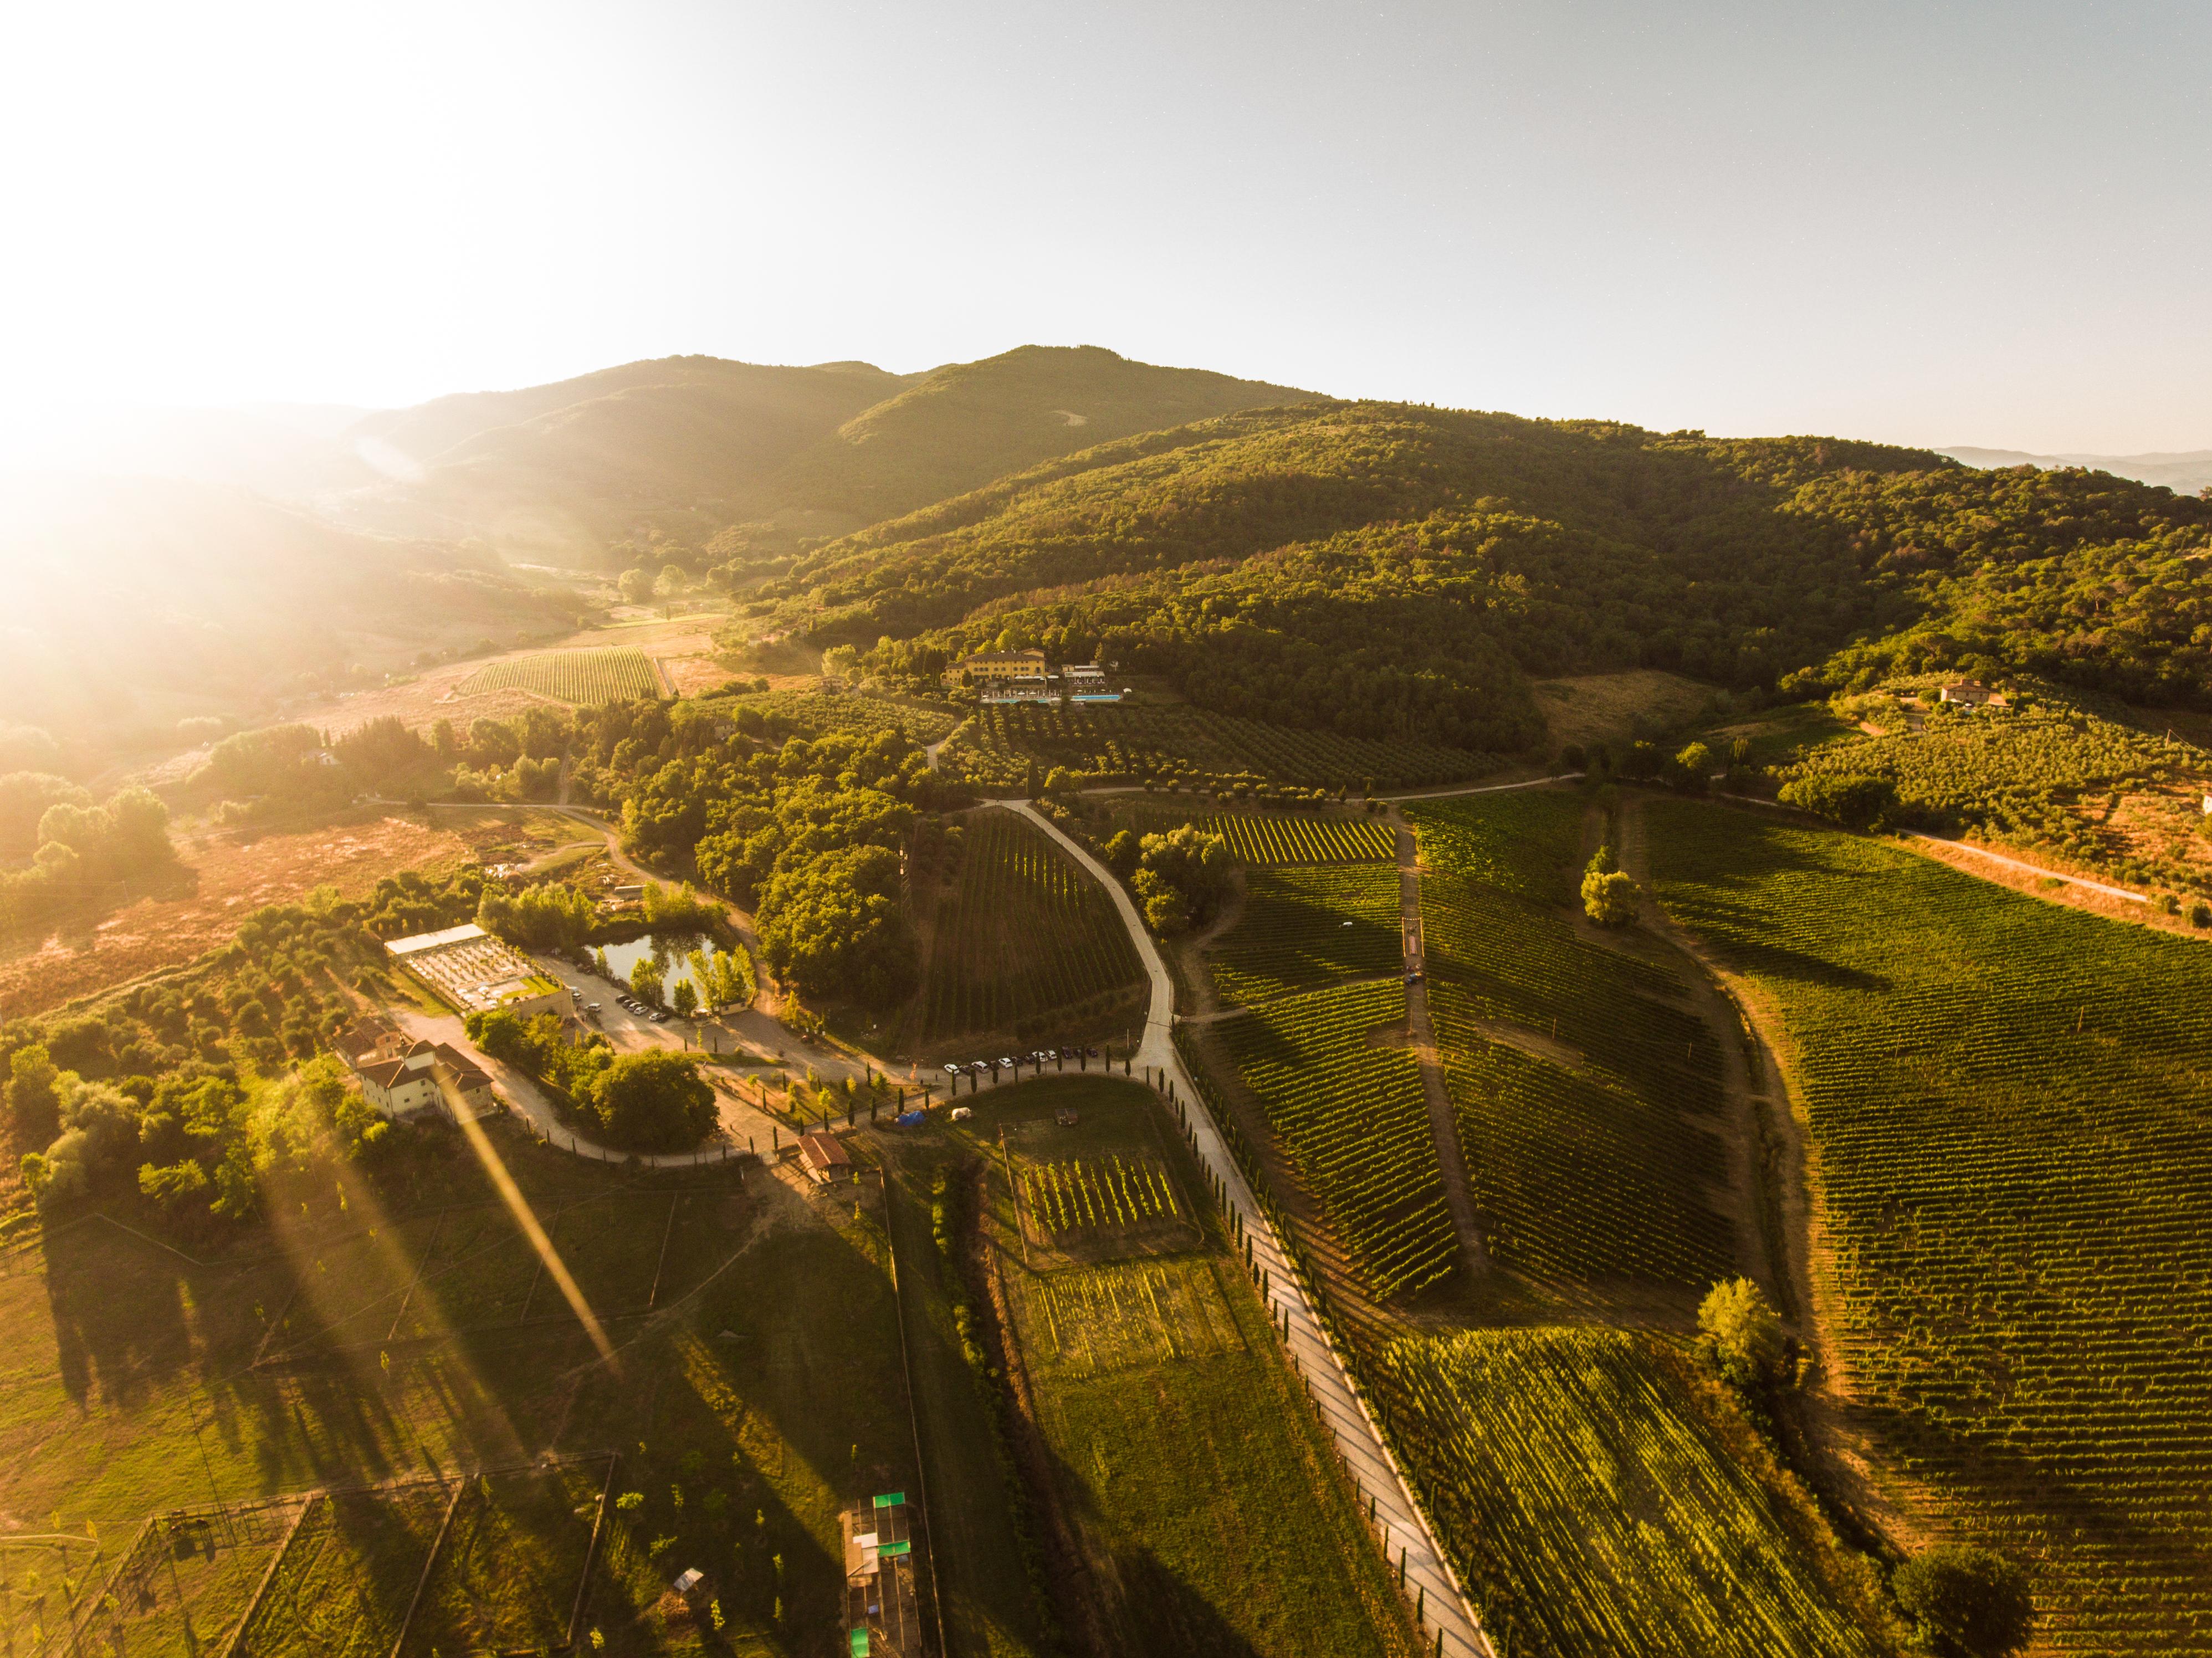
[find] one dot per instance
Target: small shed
(826, 1161)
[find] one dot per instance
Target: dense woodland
(1383, 569)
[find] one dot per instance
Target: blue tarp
(911, 1120)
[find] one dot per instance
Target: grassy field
(1352, 1117)
(1025, 942)
(403, 1341)
(2012, 1110)
(1305, 926)
(1211, 1515)
(1260, 839)
(1595, 1509)
(618, 673)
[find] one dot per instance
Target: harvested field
(224, 877)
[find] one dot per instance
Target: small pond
(670, 950)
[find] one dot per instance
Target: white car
(961, 1112)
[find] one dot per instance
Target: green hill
(1386, 569)
(959, 427)
(682, 445)
(685, 447)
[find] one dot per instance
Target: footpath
(1448, 1620)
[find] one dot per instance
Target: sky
(1928, 223)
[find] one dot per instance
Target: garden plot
(1119, 1317)
(1101, 1208)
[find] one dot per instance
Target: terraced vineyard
(1022, 935)
(1303, 926)
(2012, 1107)
(1260, 840)
(623, 673)
(996, 747)
(1355, 1123)
(1594, 1514)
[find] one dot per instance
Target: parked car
(961, 1112)
(951, 1068)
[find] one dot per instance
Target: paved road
(1357, 1434)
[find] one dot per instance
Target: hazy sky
(1923, 223)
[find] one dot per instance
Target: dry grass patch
(1608, 707)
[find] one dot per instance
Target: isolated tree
(674, 579)
(635, 585)
(1609, 897)
(685, 998)
(644, 980)
(1693, 769)
(1742, 1335)
(1969, 1602)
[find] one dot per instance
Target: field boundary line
(430, 1561)
(2019, 864)
(268, 1576)
(913, 1415)
(1483, 788)
(1313, 1356)
(592, 1554)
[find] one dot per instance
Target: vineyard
(621, 674)
(1305, 926)
(2012, 1108)
(1576, 1178)
(1259, 840)
(1593, 1514)
(1180, 745)
(1080, 1196)
(1509, 960)
(1596, 1176)
(1022, 937)
(1525, 842)
(1354, 1121)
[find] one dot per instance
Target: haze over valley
(706, 949)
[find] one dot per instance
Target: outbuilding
(825, 1161)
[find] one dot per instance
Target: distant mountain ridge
(2184, 471)
(683, 447)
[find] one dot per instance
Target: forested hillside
(1387, 569)
(683, 447)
